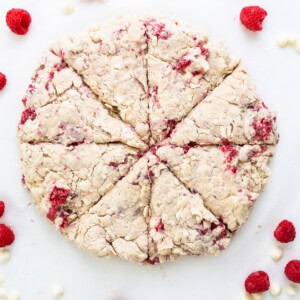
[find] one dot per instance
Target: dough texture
(144, 139)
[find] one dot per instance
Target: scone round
(144, 139)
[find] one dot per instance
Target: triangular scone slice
(61, 108)
(65, 182)
(228, 178)
(111, 60)
(180, 224)
(117, 224)
(77, 121)
(183, 68)
(167, 39)
(232, 113)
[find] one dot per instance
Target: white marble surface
(41, 258)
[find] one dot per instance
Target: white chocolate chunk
(13, 295)
(292, 39)
(57, 291)
(68, 7)
(292, 290)
(297, 47)
(275, 289)
(4, 294)
(259, 296)
(247, 296)
(282, 42)
(276, 253)
(4, 256)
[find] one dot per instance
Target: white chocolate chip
(276, 253)
(282, 42)
(69, 7)
(4, 256)
(1, 279)
(275, 289)
(292, 39)
(14, 295)
(3, 294)
(257, 296)
(247, 296)
(291, 290)
(297, 47)
(58, 291)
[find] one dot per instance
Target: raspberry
(160, 226)
(170, 126)
(230, 152)
(285, 232)
(257, 282)
(7, 236)
(2, 208)
(2, 81)
(292, 271)
(183, 63)
(153, 261)
(252, 17)
(18, 20)
(28, 113)
(263, 128)
(57, 198)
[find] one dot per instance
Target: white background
(41, 257)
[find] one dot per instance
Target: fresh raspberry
(252, 17)
(18, 20)
(2, 81)
(7, 236)
(285, 232)
(292, 271)
(2, 208)
(257, 282)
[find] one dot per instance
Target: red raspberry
(57, 198)
(257, 282)
(153, 261)
(252, 17)
(292, 271)
(2, 81)
(285, 232)
(2, 208)
(7, 236)
(160, 226)
(263, 128)
(18, 20)
(28, 113)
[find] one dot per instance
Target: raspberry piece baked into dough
(144, 139)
